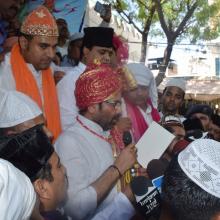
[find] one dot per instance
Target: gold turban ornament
(40, 22)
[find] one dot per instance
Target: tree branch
(161, 18)
(185, 19)
(129, 19)
(141, 3)
(150, 18)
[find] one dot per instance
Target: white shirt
(67, 100)
(63, 50)
(7, 80)
(147, 114)
(119, 209)
(85, 157)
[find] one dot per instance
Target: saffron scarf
(26, 83)
(139, 125)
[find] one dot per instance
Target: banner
(70, 10)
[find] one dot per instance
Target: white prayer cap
(76, 36)
(142, 74)
(145, 77)
(180, 83)
(17, 195)
(200, 161)
(16, 108)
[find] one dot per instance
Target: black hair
(45, 173)
(27, 36)
(83, 111)
(81, 51)
(186, 200)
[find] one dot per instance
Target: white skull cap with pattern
(16, 108)
(180, 83)
(145, 77)
(200, 161)
(17, 195)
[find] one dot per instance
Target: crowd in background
(71, 112)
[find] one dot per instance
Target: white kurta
(7, 80)
(119, 209)
(85, 157)
(67, 100)
(147, 114)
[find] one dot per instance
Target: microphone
(127, 139)
(148, 200)
(155, 170)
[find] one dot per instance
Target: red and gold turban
(40, 22)
(95, 85)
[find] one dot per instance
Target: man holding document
(86, 150)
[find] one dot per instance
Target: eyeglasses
(115, 104)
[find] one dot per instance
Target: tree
(141, 14)
(186, 18)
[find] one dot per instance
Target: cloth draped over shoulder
(138, 122)
(26, 83)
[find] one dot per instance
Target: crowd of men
(72, 110)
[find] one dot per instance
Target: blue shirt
(3, 34)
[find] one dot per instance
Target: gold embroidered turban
(40, 22)
(95, 85)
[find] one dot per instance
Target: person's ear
(23, 42)
(92, 109)
(41, 188)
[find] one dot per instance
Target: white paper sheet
(153, 143)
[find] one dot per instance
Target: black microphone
(127, 139)
(148, 200)
(155, 170)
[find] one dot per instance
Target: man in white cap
(191, 183)
(173, 97)
(17, 195)
(18, 112)
(73, 56)
(32, 152)
(141, 100)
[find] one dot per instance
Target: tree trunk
(143, 47)
(163, 66)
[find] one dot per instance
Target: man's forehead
(52, 41)
(174, 89)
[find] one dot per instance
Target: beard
(108, 125)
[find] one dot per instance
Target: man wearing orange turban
(87, 147)
(27, 67)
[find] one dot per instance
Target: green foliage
(203, 24)
(139, 11)
(207, 22)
